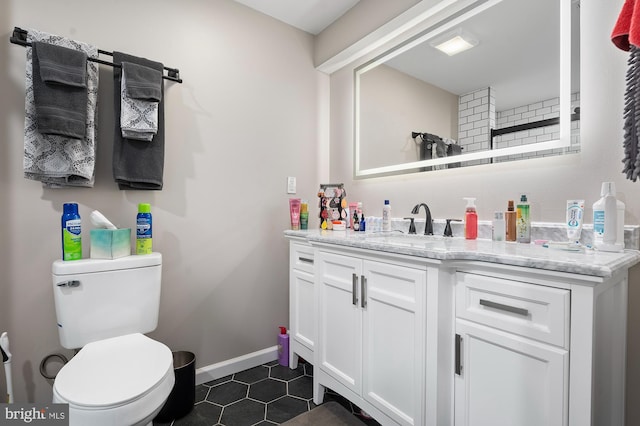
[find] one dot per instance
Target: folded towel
(60, 90)
(140, 93)
(143, 82)
(626, 31)
(59, 161)
(631, 143)
(137, 164)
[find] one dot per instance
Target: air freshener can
(144, 228)
(71, 232)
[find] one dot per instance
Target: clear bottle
(498, 226)
(144, 230)
(71, 232)
(510, 218)
(386, 216)
(470, 220)
(523, 223)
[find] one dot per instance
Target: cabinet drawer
(534, 311)
(301, 257)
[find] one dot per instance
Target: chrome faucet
(428, 224)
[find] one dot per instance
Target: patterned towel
(59, 161)
(138, 113)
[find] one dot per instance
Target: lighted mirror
(511, 93)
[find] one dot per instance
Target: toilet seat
(127, 377)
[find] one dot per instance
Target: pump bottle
(470, 220)
(523, 225)
(510, 218)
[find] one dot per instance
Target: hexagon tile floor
(269, 394)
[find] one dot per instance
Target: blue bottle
(144, 229)
(71, 232)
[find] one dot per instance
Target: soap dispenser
(470, 220)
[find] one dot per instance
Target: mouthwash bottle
(71, 232)
(144, 229)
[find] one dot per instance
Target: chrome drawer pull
(363, 291)
(507, 308)
(305, 260)
(71, 283)
(354, 289)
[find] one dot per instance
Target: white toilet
(120, 376)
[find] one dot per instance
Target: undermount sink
(406, 240)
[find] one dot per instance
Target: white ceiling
(311, 16)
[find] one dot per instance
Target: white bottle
(605, 220)
(386, 216)
(499, 228)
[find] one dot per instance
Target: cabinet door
(393, 339)
(340, 318)
(302, 309)
(508, 380)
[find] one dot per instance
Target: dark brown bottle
(510, 222)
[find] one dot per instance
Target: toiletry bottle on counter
(355, 220)
(304, 215)
(470, 220)
(605, 220)
(144, 234)
(523, 225)
(510, 218)
(386, 216)
(498, 226)
(71, 232)
(283, 347)
(363, 221)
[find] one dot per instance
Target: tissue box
(110, 243)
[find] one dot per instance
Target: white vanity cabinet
(512, 358)
(302, 318)
(371, 334)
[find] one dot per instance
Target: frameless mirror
(514, 94)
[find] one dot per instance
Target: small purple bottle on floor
(283, 347)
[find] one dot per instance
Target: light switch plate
(291, 185)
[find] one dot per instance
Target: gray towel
(137, 164)
(59, 161)
(143, 82)
(632, 117)
(60, 90)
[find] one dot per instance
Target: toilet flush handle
(70, 283)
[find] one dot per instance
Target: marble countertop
(585, 262)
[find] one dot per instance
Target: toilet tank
(98, 298)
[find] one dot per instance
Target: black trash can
(183, 394)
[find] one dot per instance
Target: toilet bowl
(122, 380)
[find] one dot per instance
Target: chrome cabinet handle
(354, 289)
(507, 308)
(305, 260)
(71, 283)
(363, 292)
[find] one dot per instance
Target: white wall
(245, 118)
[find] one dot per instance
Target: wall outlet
(291, 185)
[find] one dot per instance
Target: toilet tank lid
(82, 266)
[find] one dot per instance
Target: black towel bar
(19, 36)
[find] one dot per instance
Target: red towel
(627, 28)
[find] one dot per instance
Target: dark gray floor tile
(227, 393)
(252, 375)
(285, 373)
(301, 387)
(219, 381)
(203, 414)
(243, 413)
(268, 390)
(308, 369)
(271, 364)
(201, 393)
(285, 408)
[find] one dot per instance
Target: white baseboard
(235, 365)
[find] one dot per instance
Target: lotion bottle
(605, 220)
(470, 220)
(523, 226)
(510, 218)
(386, 216)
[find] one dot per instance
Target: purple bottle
(283, 347)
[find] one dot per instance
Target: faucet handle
(412, 226)
(447, 229)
